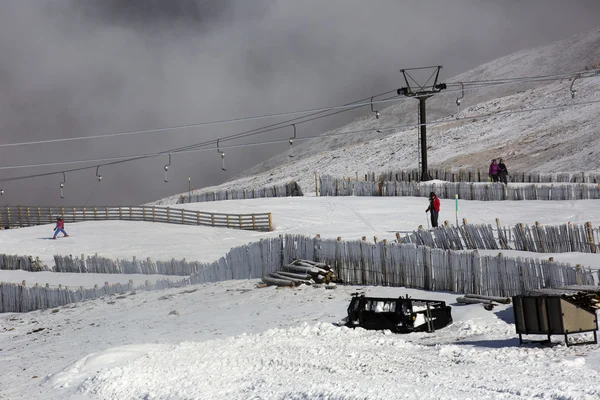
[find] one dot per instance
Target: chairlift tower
(422, 93)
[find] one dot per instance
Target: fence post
(153, 214)
(590, 234)
(28, 217)
(130, 214)
(254, 223)
(316, 184)
(363, 263)
(120, 213)
(542, 245)
(143, 213)
(270, 222)
(338, 256)
(212, 219)
(62, 212)
(228, 220)
(467, 236)
(74, 214)
(106, 212)
(240, 220)
(20, 217)
(39, 216)
(182, 219)
(8, 216)
(168, 214)
(198, 217)
(384, 263)
(84, 213)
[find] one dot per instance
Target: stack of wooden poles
(489, 302)
(301, 272)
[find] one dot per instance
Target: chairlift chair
(62, 186)
(222, 154)
(291, 140)
(167, 169)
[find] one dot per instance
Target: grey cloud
(73, 68)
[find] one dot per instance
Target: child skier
(434, 207)
(60, 227)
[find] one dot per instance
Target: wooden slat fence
(291, 189)
(535, 238)
(331, 186)
(356, 262)
(480, 175)
(21, 216)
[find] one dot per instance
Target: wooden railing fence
(356, 262)
(21, 216)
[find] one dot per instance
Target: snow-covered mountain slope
(551, 140)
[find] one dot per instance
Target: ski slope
(331, 217)
(231, 340)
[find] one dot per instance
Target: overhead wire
(280, 125)
(351, 105)
(395, 127)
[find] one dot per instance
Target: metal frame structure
(422, 93)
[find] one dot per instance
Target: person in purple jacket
(494, 171)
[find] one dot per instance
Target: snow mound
(322, 361)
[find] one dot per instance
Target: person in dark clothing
(503, 172)
(494, 170)
(434, 207)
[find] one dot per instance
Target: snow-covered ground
(348, 217)
(231, 340)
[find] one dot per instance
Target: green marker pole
(189, 189)
(456, 200)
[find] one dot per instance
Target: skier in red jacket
(60, 227)
(434, 207)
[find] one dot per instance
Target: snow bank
(322, 361)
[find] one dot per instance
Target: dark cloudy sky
(73, 68)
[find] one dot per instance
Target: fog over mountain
(73, 69)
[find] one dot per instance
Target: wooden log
(502, 300)
(467, 300)
(276, 282)
(294, 275)
(307, 263)
(294, 280)
(313, 271)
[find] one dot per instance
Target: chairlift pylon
(222, 154)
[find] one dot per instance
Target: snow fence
(331, 186)
(478, 175)
(291, 189)
(355, 262)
